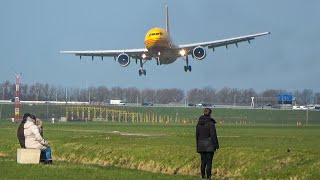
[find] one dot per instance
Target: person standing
(34, 140)
(207, 142)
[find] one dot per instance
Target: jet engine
(123, 59)
(199, 53)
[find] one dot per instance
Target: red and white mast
(17, 99)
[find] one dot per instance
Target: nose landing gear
(187, 68)
(142, 72)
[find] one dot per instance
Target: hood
(205, 119)
(28, 124)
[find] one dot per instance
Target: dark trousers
(206, 164)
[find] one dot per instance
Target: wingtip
(65, 52)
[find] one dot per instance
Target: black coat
(206, 135)
(20, 134)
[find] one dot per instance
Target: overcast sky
(33, 32)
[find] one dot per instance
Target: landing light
(144, 56)
(182, 52)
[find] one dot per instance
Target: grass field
(253, 116)
(104, 150)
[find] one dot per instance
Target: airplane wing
(223, 42)
(133, 53)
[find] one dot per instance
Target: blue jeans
(46, 154)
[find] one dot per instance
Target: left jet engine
(199, 53)
(123, 59)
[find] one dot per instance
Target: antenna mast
(167, 17)
(16, 99)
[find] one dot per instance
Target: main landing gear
(142, 71)
(187, 67)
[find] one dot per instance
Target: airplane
(159, 46)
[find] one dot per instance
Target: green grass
(253, 116)
(249, 151)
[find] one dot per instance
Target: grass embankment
(65, 170)
(247, 151)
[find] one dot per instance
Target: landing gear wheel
(187, 68)
(142, 72)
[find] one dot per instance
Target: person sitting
(34, 140)
(20, 131)
(39, 125)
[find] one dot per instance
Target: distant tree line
(224, 96)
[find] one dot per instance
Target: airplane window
(153, 34)
(161, 33)
(157, 33)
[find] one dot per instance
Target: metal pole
(137, 100)
(1, 103)
(69, 94)
(17, 100)
(307, 119)
(66, 91)
(47, 111)
(89, 97)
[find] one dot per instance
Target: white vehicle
(311, 107)
(204, 104)
(299, 107)
(117, 102)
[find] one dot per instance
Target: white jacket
(33, 139)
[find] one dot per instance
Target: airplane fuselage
(159, 45)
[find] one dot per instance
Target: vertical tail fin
(167, 17)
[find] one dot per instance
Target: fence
(94, 113)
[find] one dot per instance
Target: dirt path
(114, 132)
